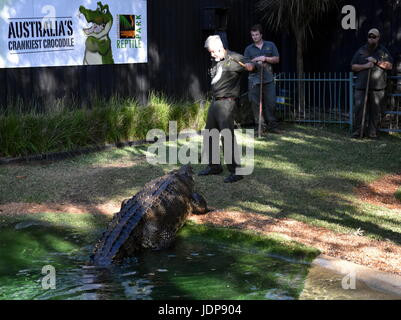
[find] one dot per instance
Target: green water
(195, 268)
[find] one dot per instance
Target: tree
(297, 16)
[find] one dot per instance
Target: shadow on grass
(308, 174)
(329, 167)
(78, 181)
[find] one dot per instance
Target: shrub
(69, 127)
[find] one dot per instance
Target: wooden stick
(365, 104)
(239, 62)
(260, 102)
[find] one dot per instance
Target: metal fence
(328, 98)
(316, 98)
(391, 115)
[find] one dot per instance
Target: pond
(195, 268)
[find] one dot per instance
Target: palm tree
(297, 16)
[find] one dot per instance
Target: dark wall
(178, 62)
(332, 48)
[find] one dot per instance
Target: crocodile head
(186, 170)
(101, 20)
(198, 202)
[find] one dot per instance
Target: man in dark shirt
(375, 57)
(225, 74)
(264, 53)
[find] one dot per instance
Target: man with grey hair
(225, 73)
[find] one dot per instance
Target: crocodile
(151, 218)
(98, 44)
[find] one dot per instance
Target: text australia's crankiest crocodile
(98, 44)
(150, 219)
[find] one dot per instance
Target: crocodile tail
(108, 246)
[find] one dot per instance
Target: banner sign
(40, 33)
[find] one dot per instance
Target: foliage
(70, 127)
(297, 16)
(288, 14)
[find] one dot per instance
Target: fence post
(351, 101)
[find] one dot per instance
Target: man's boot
(215, 170)
(356, 134)
(232, 178)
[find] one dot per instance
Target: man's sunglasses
(372, 36)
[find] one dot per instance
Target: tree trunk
(300, 53)
(300, 40)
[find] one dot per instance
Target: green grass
(308, 174)
(249, 241)
(67, 128)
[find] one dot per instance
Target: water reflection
(192, 269)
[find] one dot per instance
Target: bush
(112, 121)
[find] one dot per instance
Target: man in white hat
(375, 57)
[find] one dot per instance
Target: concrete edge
(62, 155)
(377, 280)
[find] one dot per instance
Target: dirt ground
(382, 192)
(379, 255)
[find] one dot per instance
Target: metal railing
(391, 115)
(328, 98)
(316, 98)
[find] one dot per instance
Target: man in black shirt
(225, 74)
(375, 57)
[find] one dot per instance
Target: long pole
(260, 96)
(260, 102)
(365, 104)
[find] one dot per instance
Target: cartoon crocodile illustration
(98, 44)
(150, 219)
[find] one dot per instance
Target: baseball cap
(375, 32)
